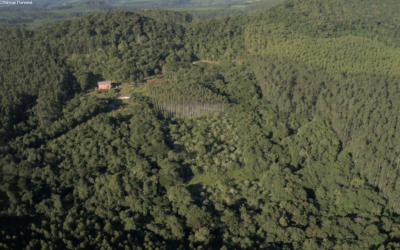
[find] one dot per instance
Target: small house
(125, 96)
(105, 85)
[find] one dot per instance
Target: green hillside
(271, 130)
(345, 54)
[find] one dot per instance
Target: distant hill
(44, 13)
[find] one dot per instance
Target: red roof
(104, 82)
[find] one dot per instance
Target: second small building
(125, 96)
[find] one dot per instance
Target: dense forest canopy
(271, 130)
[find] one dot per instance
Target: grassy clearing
(134, 90)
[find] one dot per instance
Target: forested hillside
(272, 130)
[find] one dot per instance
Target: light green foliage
(185, 99)
(349, 54)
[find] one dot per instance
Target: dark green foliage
(361, 109)
(287, 149)
(124, 39)
(167, 16)
(28, 80)
(212, 13)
